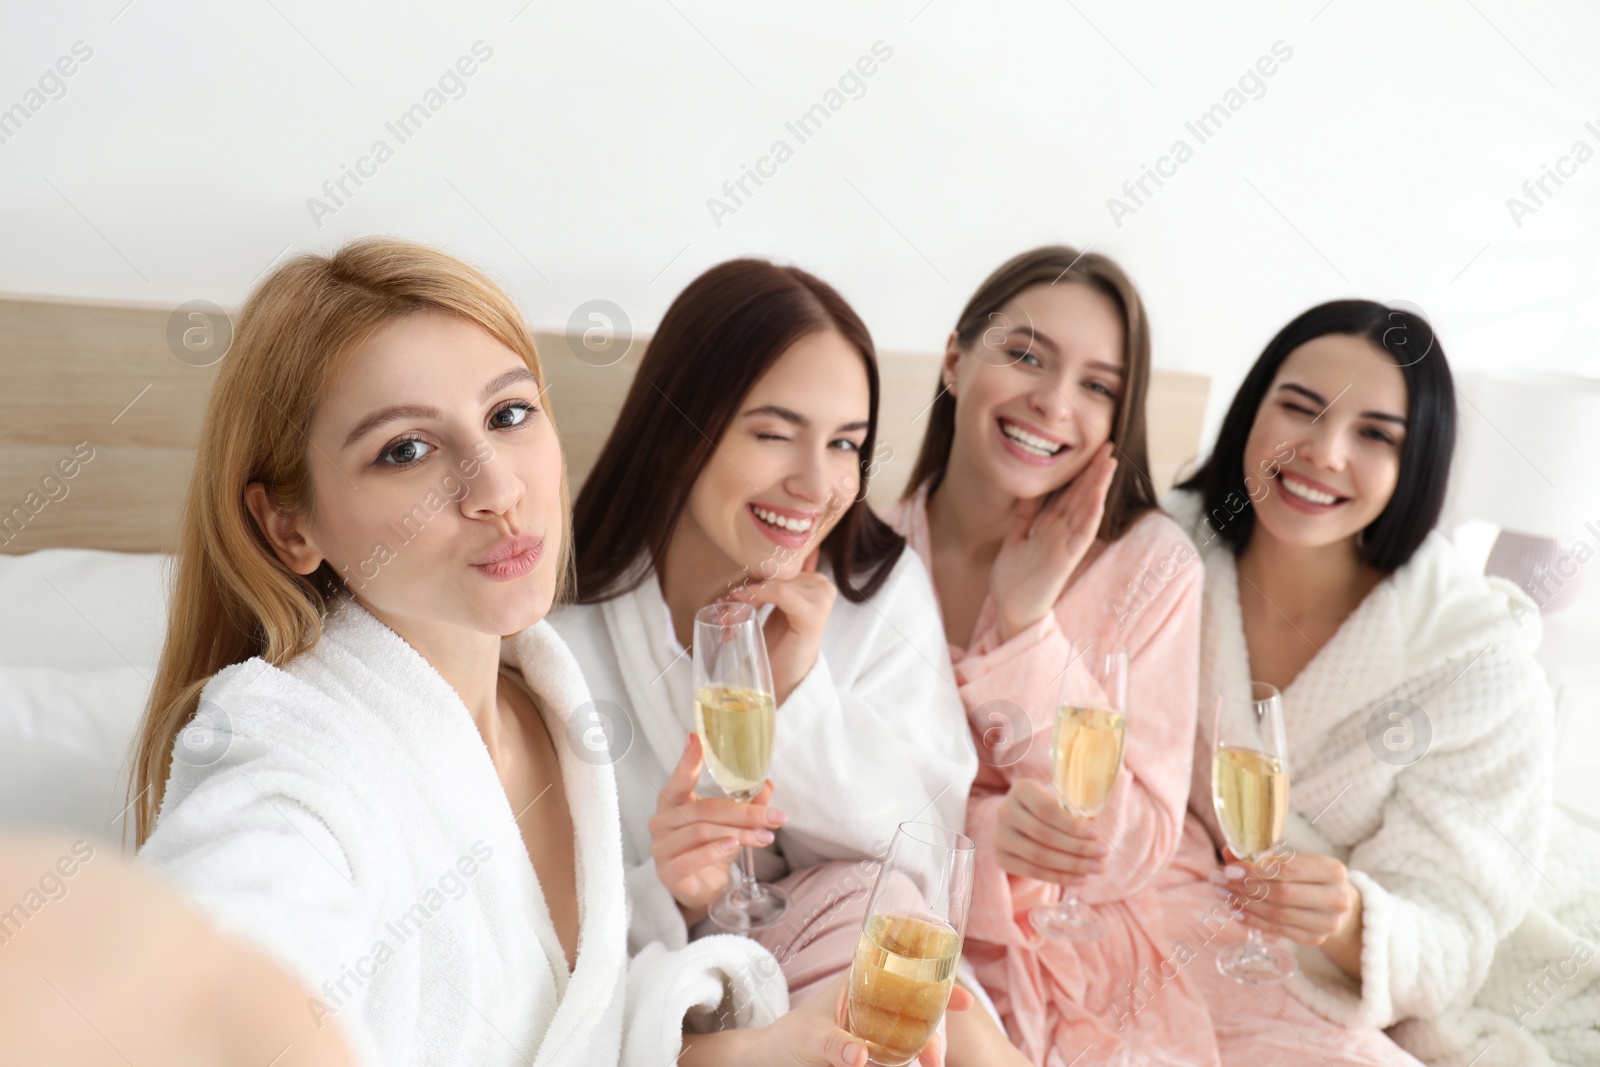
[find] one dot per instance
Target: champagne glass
(1250, 792)
(734, 714)
(1085, 756)
(905, 962)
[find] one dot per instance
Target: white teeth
(1030, 442)
(1305, 492)
(772, 518)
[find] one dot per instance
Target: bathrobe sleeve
(1454, 861)
(879, 741)
(720, 982)
(242, 840)
(1142, 821)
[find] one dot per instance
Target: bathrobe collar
(438, 731)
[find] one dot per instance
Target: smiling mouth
(1030, 443)
(783, 523)
(1308, 494)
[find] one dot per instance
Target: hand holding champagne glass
(735, 714)
(1250, 792)
(1085, 756)
(905, 962)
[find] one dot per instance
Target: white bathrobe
(1448, 852)
(873, 736)
(343, 814)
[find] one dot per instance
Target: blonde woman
(357, 751)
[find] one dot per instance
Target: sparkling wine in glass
(910, 943)
(1250, 792)
(735, 714)
(1085, 756)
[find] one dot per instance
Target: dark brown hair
(715, 342)
(1406, 339)
(1131, 493)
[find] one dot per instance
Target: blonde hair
(232, 598)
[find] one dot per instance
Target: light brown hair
(232, 598)
(1131, 493)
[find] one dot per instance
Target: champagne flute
(1250, 792)
(1085, 756)
(905, 962)
(734, 714)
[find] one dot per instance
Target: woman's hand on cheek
(1045, 547)
(793, 631)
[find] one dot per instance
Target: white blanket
(1449, 852)
(343, 813)
(874, 735)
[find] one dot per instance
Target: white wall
(579, 161)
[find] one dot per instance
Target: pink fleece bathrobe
(1058, 998)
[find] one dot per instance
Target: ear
(947, 366)
(284, 532)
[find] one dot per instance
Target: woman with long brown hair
(1032, 503)
(738, 470)
(358, 753)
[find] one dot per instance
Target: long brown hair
(1131, 493)
(232, 598)
(715, 342)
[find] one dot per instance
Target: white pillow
(77, 608)
(80, 634)
(65, 741)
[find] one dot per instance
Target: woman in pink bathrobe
(1032, 504)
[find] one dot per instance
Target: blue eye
(1020, 354)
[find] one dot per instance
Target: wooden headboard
(104, 374)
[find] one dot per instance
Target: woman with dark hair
(1418, 724)
(1032, 503)
(738, 469)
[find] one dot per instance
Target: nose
(495, 490)
(810, 481)
(1049, 403)
(1324, 446)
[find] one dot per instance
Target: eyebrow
(1316, 398)
(423, 411)
(1035, 335)
(794, 418)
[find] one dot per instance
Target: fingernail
(850, 1051)
(1234, 872)
(776, 817)
(1217, 877)
(727, 844)
(764, 837)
